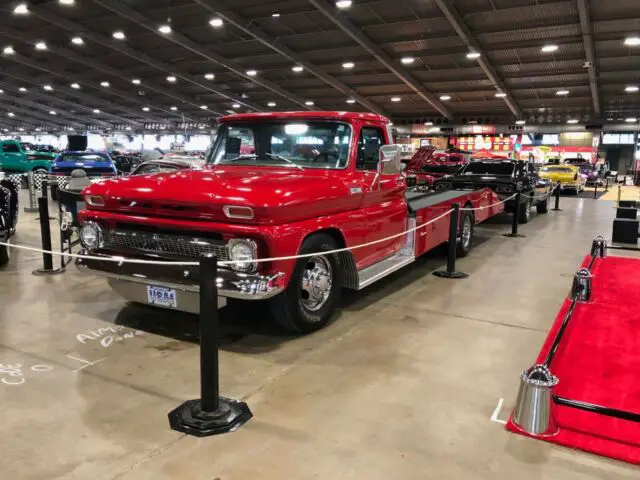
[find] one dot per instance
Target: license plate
(161, 296)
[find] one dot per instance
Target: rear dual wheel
(465, 240)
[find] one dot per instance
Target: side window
(238, 141)
(10, 148)
(369, 143)
(147, 169)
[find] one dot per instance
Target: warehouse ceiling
(134, 64)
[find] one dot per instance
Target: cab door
(11, 156)
(383, 204)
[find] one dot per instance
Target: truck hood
(276, 194)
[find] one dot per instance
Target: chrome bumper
(231, 284)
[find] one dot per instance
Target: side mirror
(390, 159)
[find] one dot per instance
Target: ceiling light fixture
(41, 46)
(11, 114)
(75, 86)
(236, 105)
(136, 81)
(562, 92)
(309, 103)
(473, 55)
(173, 109)
(145, 109)
(48, 88)
(22, 89)
(631, 119)
(396, 99)
(216, 22)
(632, 41)
(350, 101)
(500, 95)
(21, 9)
(407, 60)
(549, 48)
(631, 89)
(572, 121)
(348, 65)
(8, 50)
(95, 110)
(428, 124)
(52, 112)
(275, 15)
(171, 79)
(77, 41)
(252, 73)
(271, 104)
(127, 128)
(203, 107)
(1, 91)
(105, 84)
(520, 122)
(342, 4)
(119, 35)
(444, 98)
(66, 2)
(297, 69)
(166, 29)
(209, 76)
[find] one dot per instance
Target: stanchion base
(513, 235)
(190, 419)
(445, 274)
(41, 272)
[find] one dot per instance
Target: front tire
(314, 289)
(524, 211)
(465, 242)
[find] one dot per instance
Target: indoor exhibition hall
(320, 239)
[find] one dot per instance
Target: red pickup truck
(313, 182)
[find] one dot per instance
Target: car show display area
(412, 367)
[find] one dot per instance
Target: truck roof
(320, 115)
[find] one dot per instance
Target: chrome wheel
(466, 232)
(316, 283)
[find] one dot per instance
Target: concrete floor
(401, 386)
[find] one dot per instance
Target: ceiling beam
(589, 50)
(37, 107)
(340, 20)
(185, 42)
(250, 28)
(40, 118)
(467, 37)
(111, 91)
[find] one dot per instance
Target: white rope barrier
(120, 260)
(546, 195)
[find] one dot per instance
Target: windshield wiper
(241, 157)
(278, 157)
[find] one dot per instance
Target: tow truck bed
(419, 200)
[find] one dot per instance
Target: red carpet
(598, 361)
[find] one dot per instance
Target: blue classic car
(96, 164)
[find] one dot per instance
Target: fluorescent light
(171, 79)
(520, 122)
(11, 114)
(236, 105)
(22, 89)
(275, 15)
(8, 50)
(105, 84)
(66, 2)
(77, 41)
(632, 41)
(41, 46)
(631, 119)
(351, 101)
(562, 92)
(500, 95)
(631, 89)
(445, 97)
(252, 73)
(271, 104)
(136, 81)
(21, 9)
(344, 4)
(48, 88)
(348, 65)
(396, 99)
(297, 69)
(164, 29)
(407, 60)
(95, 110)
(549, 48)
(145, 109)
(309, 103)
(209, 76)
(573, 120)
(173, 109)
(216, 22)
(473, 55)
(203, 107)
(52, 112)
(119, 35)
(75, 86)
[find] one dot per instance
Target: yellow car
(568, 176)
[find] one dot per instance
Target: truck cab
(276, 186)
(15, 159)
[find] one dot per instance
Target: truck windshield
(489, 168)
(295, 143)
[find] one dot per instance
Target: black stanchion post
(595, 190)
(45, 236)
(557, 206)
(514, 218)
(452, 246)
(211, 414)
(606, 185)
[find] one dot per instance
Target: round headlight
(242, 251)
(91, 235)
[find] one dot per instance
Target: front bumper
(231, 284)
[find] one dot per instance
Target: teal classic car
(15, 159)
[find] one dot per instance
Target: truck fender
(347, 260)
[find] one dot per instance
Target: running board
(379, 270)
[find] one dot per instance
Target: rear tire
(465, 242)
(543, 206)
(524, 211)
(314, 289)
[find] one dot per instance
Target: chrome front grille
(164, 244)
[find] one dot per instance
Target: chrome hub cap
(466, 232)
(316, 283)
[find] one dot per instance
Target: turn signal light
(244, 213)
(94, 200)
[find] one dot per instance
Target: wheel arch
(347, 260)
